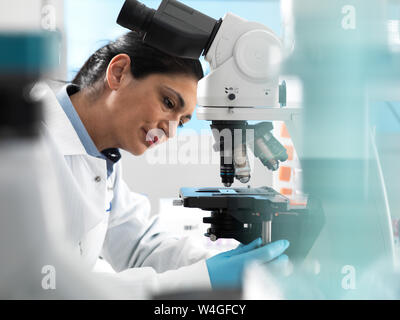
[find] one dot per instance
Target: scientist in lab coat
(123, 97)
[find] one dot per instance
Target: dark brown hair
(145, 60)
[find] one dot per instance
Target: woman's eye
(168, 103)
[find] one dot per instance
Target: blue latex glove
(225, 269)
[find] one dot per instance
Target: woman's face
(147, 111)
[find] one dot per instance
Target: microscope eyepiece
(173, 28)
(135, 16)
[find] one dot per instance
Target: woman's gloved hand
(225, 269)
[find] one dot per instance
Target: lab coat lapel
(84, 200)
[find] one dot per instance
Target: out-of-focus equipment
(38, 261)
(28, 220)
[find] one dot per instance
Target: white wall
(20, 15)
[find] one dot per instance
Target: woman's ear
(118, 70)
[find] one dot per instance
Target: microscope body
(244, 60)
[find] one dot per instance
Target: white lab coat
(126, 237)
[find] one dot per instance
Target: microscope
(243, 85)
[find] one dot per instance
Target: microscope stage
(252, 199)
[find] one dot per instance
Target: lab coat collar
(58, 123)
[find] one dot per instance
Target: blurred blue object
(386, 116)
(28, 52)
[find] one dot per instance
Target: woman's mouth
(150, 137)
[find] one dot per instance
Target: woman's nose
(170, 127)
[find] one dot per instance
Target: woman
(130, 96)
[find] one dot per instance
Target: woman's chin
(137, 150)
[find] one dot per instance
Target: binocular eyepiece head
(173, 28)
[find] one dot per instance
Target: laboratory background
(338, 118)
